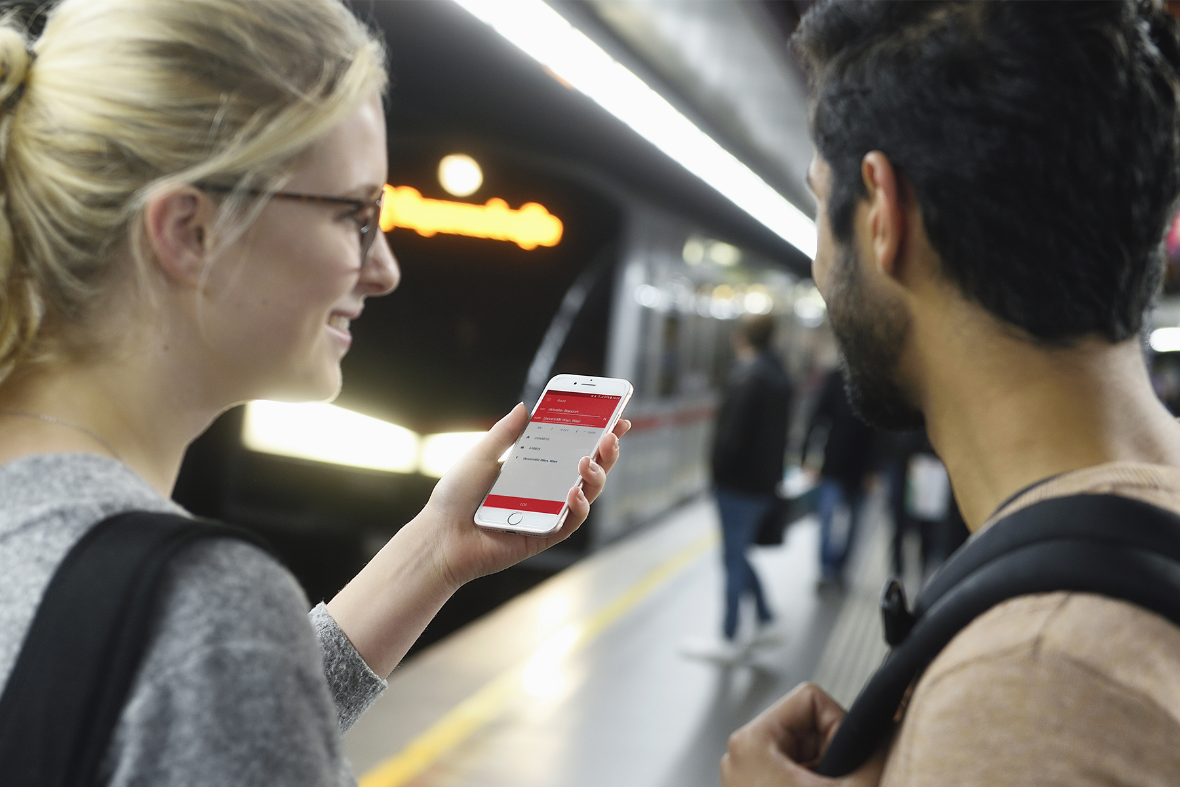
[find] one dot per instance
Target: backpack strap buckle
(895, 613)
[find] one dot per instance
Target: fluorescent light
(810, 311)
(649, 296)
(546, 36)
(758, 302)
(460, 174)
(440, 451)
(1165, 340)
(724, 254)
(326, 433)
(694, 251)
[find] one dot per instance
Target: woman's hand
(466, 551)
(388, 604)
(781, 746)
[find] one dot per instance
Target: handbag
(773, 525)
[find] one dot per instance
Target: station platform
(581, 681)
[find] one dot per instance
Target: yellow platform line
(490, 701)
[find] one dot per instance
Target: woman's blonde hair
(118, 98)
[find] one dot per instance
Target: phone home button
(515, 517)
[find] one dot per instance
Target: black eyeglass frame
(367, 236)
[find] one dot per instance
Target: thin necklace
(63, 422)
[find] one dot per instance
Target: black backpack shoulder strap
(83, 649)
(1104, 544)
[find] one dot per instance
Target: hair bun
(15, 60)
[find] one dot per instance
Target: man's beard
(870, 332)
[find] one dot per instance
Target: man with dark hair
(749, 445)
(994, 181)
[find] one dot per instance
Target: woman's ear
(179, 223)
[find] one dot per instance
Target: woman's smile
(338, 323)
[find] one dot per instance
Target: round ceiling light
(460, 175)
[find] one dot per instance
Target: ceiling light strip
(546, 36)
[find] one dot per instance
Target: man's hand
(781, 746)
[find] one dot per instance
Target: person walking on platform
(919, 499)
(994, 181)
(848, 458)
(922, 501)
(189, 209)
(897, 449)
(749, 446)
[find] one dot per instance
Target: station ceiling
(726, 63)
(723, 64)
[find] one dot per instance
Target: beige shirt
(1055, 688)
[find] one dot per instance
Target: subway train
(479, 324)
(535, 237)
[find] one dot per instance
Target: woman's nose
(380, 274)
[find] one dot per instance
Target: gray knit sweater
(236, 687)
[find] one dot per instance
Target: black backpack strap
(83, 649)
(1104, 544)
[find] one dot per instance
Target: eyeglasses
(366, 213)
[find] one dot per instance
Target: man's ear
(178, 222)
(885, 220)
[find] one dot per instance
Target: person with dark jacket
(747, 461)
(848, 460)
(938, 523)
(897, 449)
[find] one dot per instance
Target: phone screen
(544, 463)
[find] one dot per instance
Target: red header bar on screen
(576, 409)
(524, 504)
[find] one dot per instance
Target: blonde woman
(188, 220)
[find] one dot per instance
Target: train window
(643, 369)
(669, 355)
(722, 353)
(584, 349)
(695, 377)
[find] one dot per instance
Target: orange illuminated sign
(529, 226)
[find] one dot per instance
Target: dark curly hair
(1042, 141)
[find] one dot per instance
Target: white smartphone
(569, 419)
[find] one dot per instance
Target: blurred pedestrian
(920, 501)
(896, 450)
(749, 445)
(848, 461)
